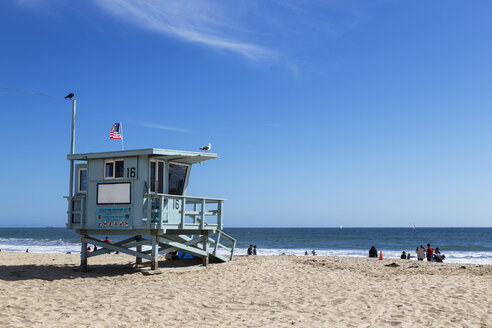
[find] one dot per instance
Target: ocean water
(461, 245)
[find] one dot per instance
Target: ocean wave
(64, 246)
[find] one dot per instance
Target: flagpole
(121, 134)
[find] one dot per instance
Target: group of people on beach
(429, 253)
(251, 250)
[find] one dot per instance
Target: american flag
(115, 132)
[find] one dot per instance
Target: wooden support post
(205, 259)
(154, 265)
(139, 250)
(83, 253)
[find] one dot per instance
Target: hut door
(157, 176)
(156, 186)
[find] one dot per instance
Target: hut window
(177, 178)
(114, 193)
(114, 169)
(157, 176)
(83, 180)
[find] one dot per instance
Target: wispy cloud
(202, 21)
(290, 33)
(160, 126)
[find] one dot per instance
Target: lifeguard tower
(141, 195)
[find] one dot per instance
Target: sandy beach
(43, 290)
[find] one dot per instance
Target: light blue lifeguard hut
(140, 196)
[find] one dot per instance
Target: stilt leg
(139, 250)
(83, 254)
(154, 265)
(205, 248)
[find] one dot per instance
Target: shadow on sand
(60, 271)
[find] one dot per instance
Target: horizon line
(289, 227)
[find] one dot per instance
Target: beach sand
(43, 290)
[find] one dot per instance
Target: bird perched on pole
(207, 148)
(69, 96)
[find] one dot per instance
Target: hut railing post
(149, 210)
(161, 210)
(202, 215)
(220, 208)
(183, 213)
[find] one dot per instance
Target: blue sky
(361, 113)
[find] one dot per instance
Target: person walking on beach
(420, 253)
(254, 250)
(250, 250)
(430, 252)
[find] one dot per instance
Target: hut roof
(180, 156)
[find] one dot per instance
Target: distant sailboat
(413, 226)
(341, 227)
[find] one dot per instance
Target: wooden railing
(158, 207)
(218, 245)
(76, 211)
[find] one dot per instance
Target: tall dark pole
(72, 148)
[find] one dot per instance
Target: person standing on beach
(254, 250)
(250, 250)
(430, 252)
(420, 253)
